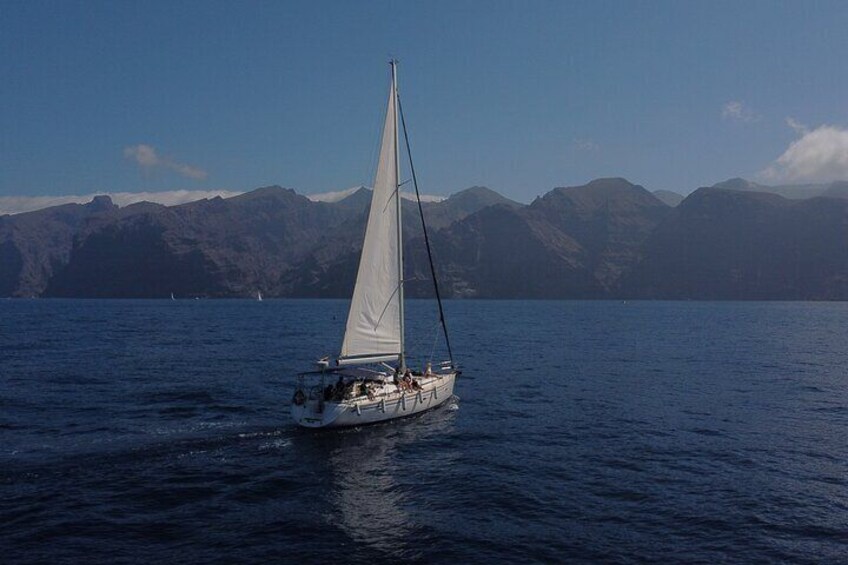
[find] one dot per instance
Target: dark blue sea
(159, 432)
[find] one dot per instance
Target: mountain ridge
(609, 238)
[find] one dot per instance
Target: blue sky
(518, 96)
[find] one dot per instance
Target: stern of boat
(317, 414)
(308, 407)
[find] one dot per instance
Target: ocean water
(159, 431)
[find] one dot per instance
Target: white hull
(317, 413)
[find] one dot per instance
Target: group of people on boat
(339, 391)
(342, 390)
(407, 381)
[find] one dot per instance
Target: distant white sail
(374, 321)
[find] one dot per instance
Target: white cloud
(18, 204)
(142, 154)
(737, 111)
(147, 158)
(585, 145)
(799, 128)
(333, 196)
(819, 155)
(424, 197)
(339, 195)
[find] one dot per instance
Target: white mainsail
(374, 324)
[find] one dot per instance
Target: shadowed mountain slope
(211, 247)
(34, 245)
(734, 245)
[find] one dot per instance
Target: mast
(402, 358)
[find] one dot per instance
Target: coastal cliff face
(606, 239)
(36, 245)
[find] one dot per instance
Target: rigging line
(424, 228)
(435, 338)
(422, 338)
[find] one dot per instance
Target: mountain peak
(600, 187)
(738, 183)
(101, 203)
(598, 193)
(274, 192)
(609, 183)
(475, 190)
(478, 197)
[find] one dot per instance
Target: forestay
(374, 321)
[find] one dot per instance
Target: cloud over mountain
(19, 204)
(818, 155)
(338, 195)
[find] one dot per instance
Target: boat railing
(312, 384)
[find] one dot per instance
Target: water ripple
(139, 431)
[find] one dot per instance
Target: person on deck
(339, 392)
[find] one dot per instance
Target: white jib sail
(373, 323)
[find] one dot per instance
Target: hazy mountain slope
(728, 244)
(668, 197)
(837, 189)
(572, 242)
(610, 218)
(438, 214)
(463, 204)
(502, 252)
(788, 191)
(330, 270)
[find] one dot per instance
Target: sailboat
(369, 380)
(259, 295)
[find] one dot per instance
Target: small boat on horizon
(369, 380)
